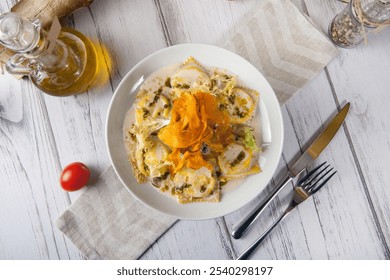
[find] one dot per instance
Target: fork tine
(311, 182)
(315, 188)
(304, 178)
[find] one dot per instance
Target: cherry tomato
(74, 176)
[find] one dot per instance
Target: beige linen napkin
(106, 222)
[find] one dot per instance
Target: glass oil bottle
(67, 67)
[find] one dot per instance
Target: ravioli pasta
(192, 132)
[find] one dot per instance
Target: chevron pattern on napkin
(284, 46)
(106, 222)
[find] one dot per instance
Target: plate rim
(123, 81)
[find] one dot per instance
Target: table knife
(314, 150)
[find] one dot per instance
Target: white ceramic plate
(233, 197)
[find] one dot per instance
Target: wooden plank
(181, 23)
(11, 104)
(11, 107)
(269, 251)
(204, 21)
(347, 220)
(186, 240)
(321, 235)
(31, 197)
(331, 225)
(349, 74)
(79, 122)
(223, 26)
(359, 75)
(185, 29)
(348, 230)
(193, 240)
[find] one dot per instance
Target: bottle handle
(16, 65)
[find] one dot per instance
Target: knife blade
(320, 143)
(311, 153)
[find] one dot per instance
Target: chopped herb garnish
(184, 186)
(238, 159)
(155, 99)
(184, 86)
(156, 180)
(132, 136)
(181, 188)
(232, 98)
(238, 113)
(168, 82)
(146, 113)
(165, 175)
(204, 149)
(222, 183)
(249, 140)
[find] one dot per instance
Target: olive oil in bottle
(66, 66)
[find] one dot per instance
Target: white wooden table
(40, 134)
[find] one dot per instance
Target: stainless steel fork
(306, 187)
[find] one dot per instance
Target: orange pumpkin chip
(195, 120)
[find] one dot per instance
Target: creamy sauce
(151, 83)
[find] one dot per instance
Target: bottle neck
(17, 33)
(28, 40)
(43, 59)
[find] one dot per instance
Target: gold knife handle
(248, 221)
